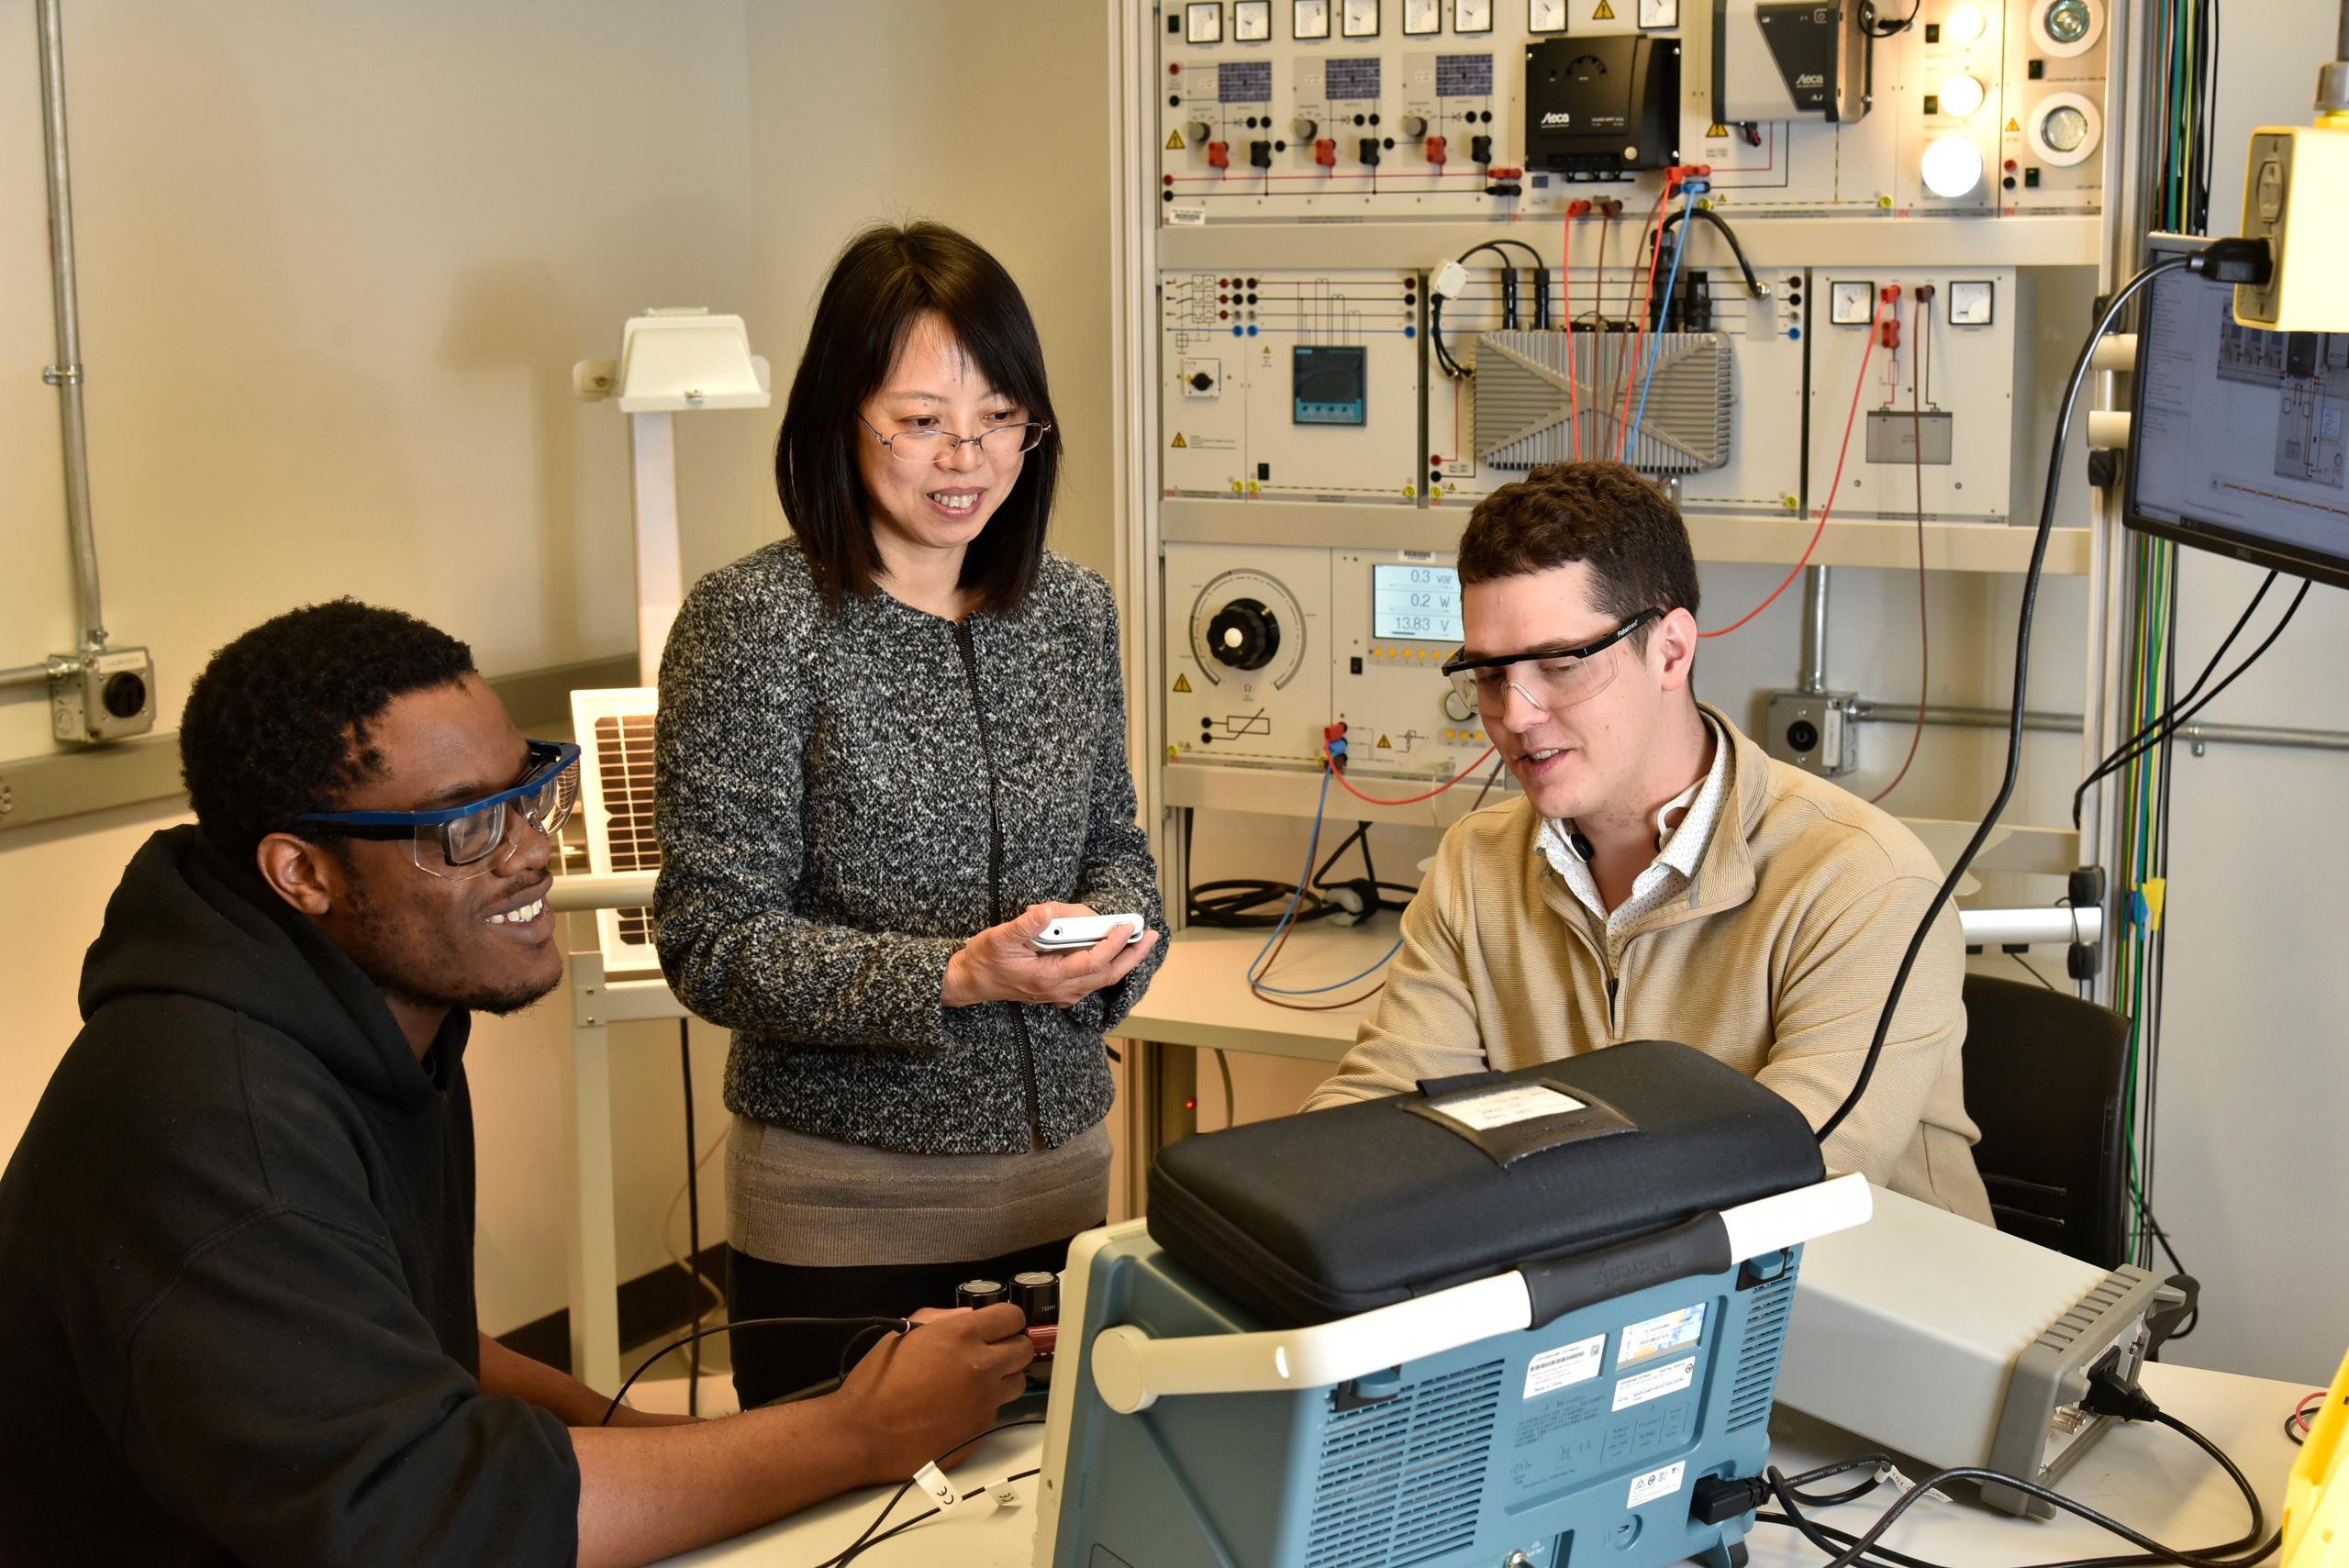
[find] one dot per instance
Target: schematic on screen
(2239, 441)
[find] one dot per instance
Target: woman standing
(891, 749)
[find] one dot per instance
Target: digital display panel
(1415, 604)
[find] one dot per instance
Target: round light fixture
(1962, 95)
(1953, 166)
(2064, 129)
(2067, 28)
(1964, 24)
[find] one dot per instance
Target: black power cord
(1717, 1500)
(2225, 260)
(1752, 285)
(693, 1217)
(895, 1325)
(869, 1539)
(2171, 720)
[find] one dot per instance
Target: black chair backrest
(2044, 1081)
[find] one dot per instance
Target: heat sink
(1525, 402)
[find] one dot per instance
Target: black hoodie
(235, 1265)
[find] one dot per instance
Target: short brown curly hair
(1604, 513)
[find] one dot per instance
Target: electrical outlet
(1814, 730)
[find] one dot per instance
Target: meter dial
(1203, 22)
(1310, 19)
(1545, 15)
(1421, 18)
(1472, 15)
(1252, 20)
(1246, 626)
(1971, 302)
(1360, 18)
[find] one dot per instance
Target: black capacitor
(980, 1293)
(1039, 1295)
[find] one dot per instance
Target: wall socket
(1814, 730)
(95, 698)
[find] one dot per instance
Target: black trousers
(772, 1362)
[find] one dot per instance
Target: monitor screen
(1414, 603)
(2238, 440)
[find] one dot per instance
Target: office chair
(2044, 1081)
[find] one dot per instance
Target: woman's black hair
(888, 278)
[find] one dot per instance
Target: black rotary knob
(1244, 635)
(1038, 1294)
(1202, 381)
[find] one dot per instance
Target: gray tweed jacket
(843, 800)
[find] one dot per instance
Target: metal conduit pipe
(1869, 710)
(66, 374)
(25, 675)
(1813, 680)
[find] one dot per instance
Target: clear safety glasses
(938, 446)
(463, 841)
(1550, 678)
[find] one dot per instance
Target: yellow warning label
(1716, 129)
(1174, 141)
(1178, 441)
(2014, 127)
(1182, 683)
(1385, 744)
(1605, 13)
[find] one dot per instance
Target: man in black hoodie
(236, 1240)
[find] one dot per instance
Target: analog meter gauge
(1972, 302)
(1545, 15)
(1252, 21)
(1359, 18)
(1203, 22)
(1472, 15)
(1421, 18)
(1246, 627)
(1851, 303)
(1310, 19)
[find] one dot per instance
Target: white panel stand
(660, 570)
(593, 1249)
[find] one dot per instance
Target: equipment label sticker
(1187, 217)
(1566, 1366)
(1655, 1384)
(1507, 1107)
(1646, 1341)
(1657, 1483)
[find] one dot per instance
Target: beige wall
(336, 266)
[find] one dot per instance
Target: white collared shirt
(1679, 850)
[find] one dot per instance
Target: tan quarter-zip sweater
(1776, 961)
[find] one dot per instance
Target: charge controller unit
(1602, 107)
(1788, 60)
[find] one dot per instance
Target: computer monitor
(2240, 440)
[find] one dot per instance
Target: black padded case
(1323, 1215)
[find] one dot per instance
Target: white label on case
(1187, 217)
(1507, 1107)
(1566, 1366)
(1655, 1384)
(1657, 1483)
(1666, 1331)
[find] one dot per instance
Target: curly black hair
(277, 724)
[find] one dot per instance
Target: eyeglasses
(1550, 678)
(938, 446)
(463, 841)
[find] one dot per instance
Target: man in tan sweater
(1661, 877)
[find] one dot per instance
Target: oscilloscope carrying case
(1329, 1212)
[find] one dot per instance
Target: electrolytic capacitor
(1038, 1294)
(980, 1293)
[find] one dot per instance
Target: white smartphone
(1074, 931)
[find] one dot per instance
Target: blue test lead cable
(1680, 244)
(1312, 848)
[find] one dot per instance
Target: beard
(414, 962)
